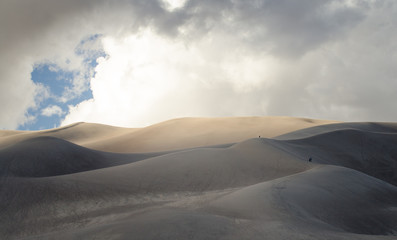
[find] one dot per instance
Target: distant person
(259, 136)
(310, 159)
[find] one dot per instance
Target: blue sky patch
(55, 80)
(53, 108)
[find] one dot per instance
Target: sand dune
(77, 133)
(329, 197)
(169, 135)
(360, 126)
(49, 156)
(255, 188)
(370, 152)
(195, 132)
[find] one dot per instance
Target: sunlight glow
(146, 78)
(172, 5)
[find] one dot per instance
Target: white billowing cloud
(88, 49)
(148, 78)
(52, 110)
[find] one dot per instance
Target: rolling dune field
(201, 178)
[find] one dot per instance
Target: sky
(133, 63)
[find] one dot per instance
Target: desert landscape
(192, 119)
(201, 178)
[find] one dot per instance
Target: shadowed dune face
(351, 201)
(49, 156)
(329, 128)
(373, 153)
(256, 188)
(202, 169)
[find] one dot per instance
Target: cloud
(26, 38)
(164, 59)
(349, 79)
(172, 5)
(51, 111)
(47, 32)
(148, 78)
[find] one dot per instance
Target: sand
(201, 178)
(170, 135)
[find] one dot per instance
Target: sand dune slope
(78, 133)
(169, 135)
(90, 195)
(195, 132)
(49, 156)
(373, 153)
(257, 188)
(201, 169)
(376, 127)
(351, 202)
